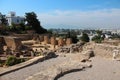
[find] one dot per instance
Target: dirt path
(102, 69)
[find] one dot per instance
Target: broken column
(46, 39)
(68, 41)
(60, 42)
(41, 38)
(53, 41)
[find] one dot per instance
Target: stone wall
(24, 36)
(53, 41)
(46, 39)
(41, 38)
(13, 42)
(68, 41)
(61, 42)
(104, 50)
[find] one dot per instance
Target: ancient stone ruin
(13, 42)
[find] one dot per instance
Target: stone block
(61, 42)
(46, 39)
(13, 42)
(53, 41)
(68, 41)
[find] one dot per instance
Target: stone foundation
(103, 50)
(68, 41)
(13, 42)
(46, 39)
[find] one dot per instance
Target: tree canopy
(85, 38)
(3, 20)
(32, 20)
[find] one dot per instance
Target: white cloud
(105, 18)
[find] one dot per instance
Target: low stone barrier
(21, 65)
(104, 50)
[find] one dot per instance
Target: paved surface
(102, 69)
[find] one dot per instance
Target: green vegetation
(99, 37)
(115, 36)
(32, 24)
(32, 20)
(12, 60)
(3, 20)
(85, 38)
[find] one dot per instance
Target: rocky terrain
(102, 69)
(93, 63)
(49, 69)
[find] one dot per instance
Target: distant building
(12, 18)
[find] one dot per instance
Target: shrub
(12, 60)
(85, 37)
(97, 39)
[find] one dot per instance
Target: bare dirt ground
(102, 69)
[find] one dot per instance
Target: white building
(12, 18)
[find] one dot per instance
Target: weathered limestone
(53, 41)
(41, 38)
(46, 39)
(68, 41)
(115, 53)
(13, 42)
(2, 43)
(61, 42)
(72, 64)
(104, 50)
(28, 42)
(88, 53)
(24, 36)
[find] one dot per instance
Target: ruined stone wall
(13, 42)
(103, 50)
(68, 41)
(46, 39)
(24, 36)
(41, 38)
(53, 41)
(61, 42)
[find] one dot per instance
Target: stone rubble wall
(103, 50)
(13, 43)
(24, 36)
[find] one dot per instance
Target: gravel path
(102, 69)
(22, 74)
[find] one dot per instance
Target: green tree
(32, 20)
(99, 32)
(97, 39)
(85, 38)
(3, 20)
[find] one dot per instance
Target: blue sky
(68, 13)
